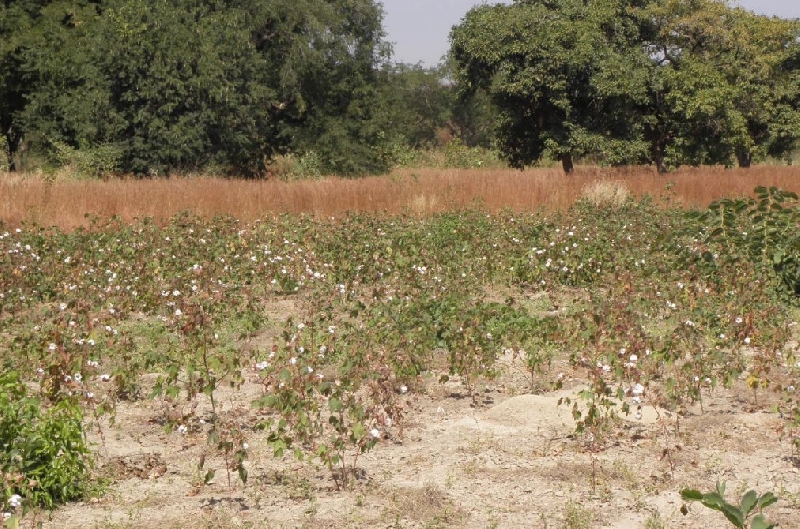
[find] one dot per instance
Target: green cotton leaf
(158, 389)
(713, 500)
(359, 430)
(335, 405)
(759, 522)
(733, 514)
(691, 495)
(209, 476)
(749, 501)
(213, 437)
(766, 500)
(243, 474)
(721, 489)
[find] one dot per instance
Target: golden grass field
(32, 199)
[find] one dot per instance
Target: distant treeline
(152, 87)
(669, 82)
(155, 87)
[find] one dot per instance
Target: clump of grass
(576, 516)
(606, 193)
(428, 505)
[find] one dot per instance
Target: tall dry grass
(65, 203)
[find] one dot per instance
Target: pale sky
(419, 29)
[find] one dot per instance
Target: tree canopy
(185, 84)
(153, 87)
(629, 81)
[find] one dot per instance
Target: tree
(563, 75)
(423, 107)
(184, 85)
(472, 118)
(722, 87)
(66, 99)
(336, 66)
(418, 102)
(629, 81)
(16, 19)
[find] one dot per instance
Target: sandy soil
(511, 461)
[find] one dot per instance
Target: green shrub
(93, 161)
(5, 156)
(763, 230)
(460, 156)
(44, 458)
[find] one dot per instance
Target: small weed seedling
(751, 502)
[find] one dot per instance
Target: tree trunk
(745, 158)
(658, 156)
(566, 163)
(16, 149)
(19, 156)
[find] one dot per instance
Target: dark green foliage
(723, 89)
(417, 103)
(563, 76)
(664, 81)
(765, 230)
(42, 445)
(187, 85)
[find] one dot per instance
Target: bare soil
(511, 459)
